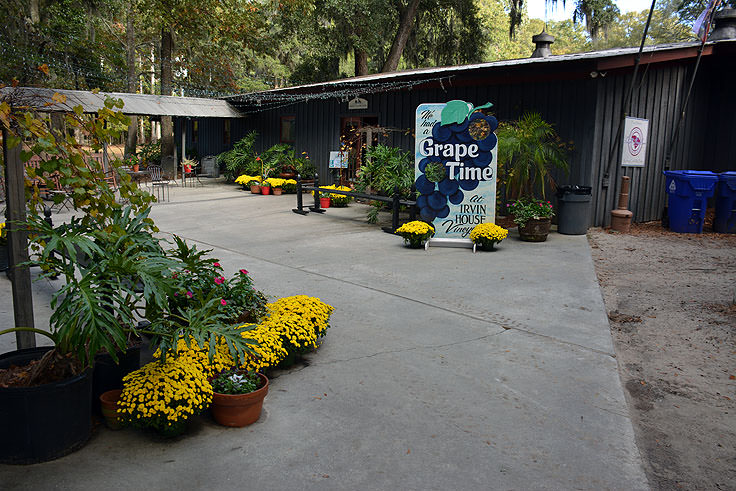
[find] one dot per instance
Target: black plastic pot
(46, 422)
(108, 375)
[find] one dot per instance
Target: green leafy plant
(304, 166)
(241, 159)
(110, 268)
(530, 148)
(236, 381)
(150, 154)
(385, 169)
(526, 208)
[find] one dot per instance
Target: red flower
(223, 302)
(217, 265)
(243, 271)
(220, 280)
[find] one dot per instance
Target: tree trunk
(35, 11)
(167, 125)
(132, 140)
(402, 35)
(361, 62)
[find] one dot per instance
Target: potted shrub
(276, 184)
(289, 186)
(487, 235)
(241, 159)
(533, 218)
(265, 187)
(529, 149)
(93, 309)
(237, 398)
(4, 258)
(324, 199)
(255, 185)
(415, 233)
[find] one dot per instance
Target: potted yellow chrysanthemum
(415, 233)
(486, 235)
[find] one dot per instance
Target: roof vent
(542, 40)
(725, 25)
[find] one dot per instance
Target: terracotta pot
(109, 405)
(136, 167)
(239, 410)
(276, 191)
(535, 230)
(255, 189)
(265, 189)
(324, 202)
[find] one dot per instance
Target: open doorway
(357, 134)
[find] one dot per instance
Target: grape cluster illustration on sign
(455, 167)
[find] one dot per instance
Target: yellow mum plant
(275, 182)
(3, 234)
(488, 234)
(270, 350)
(292, 326)
(163, 396)
(246, 180)
(416, 232)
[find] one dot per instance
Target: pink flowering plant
(526, 208)
(202, 278)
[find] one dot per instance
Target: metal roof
(435, 72)
(134, 104)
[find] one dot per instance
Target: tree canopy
(235, 46)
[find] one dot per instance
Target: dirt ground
(671, 303)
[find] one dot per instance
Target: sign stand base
(448, 243)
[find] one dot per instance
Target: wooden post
(18, 244)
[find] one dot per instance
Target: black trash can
(573, 209)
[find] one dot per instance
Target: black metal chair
(159, 182)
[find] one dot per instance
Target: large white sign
(636, 139)
(455, 167)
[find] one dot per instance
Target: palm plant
(530, 148)
(241, 159)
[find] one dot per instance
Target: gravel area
(671, 301)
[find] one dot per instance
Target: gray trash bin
(573, 209)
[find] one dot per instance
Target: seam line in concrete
(462, 314)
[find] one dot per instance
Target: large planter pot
(255, 189)
(265, 190)
(276, 191)
(45, 422)
(240, 409)
(535, 230)
(108, 375)
(4, 258)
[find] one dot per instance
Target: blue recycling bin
(689, 191)
(725, 221)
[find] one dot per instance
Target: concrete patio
(442, 369)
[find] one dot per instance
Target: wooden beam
(18, 244)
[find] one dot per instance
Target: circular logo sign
(636, 140)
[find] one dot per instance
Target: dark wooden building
(581, 94)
